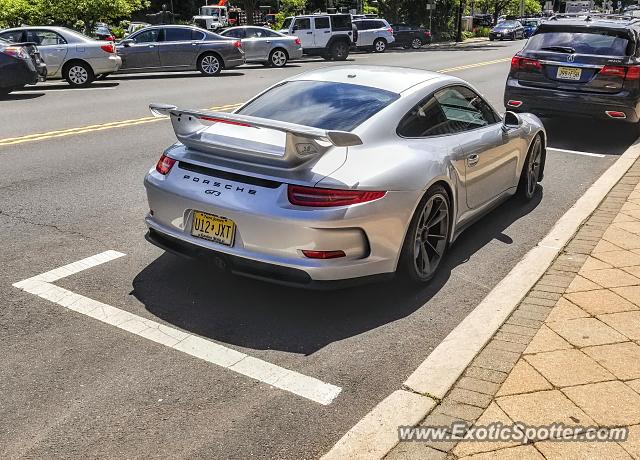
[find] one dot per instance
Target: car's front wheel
(209, 64)
(428, 236)
(531, 171)
(380, 45)
(78, 74)
(416, 43)
(278, 58)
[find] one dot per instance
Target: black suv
(587, 67)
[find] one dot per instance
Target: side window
(235, 33)
(251, 32)
(45, 38)
(302, 24)
(451, 110)
(197, 35)
(272, 34)
(322, 23)
(13, 36)
(175, 34)
(341, 22)
(148, 36)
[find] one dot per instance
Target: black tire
(5, 91)
(416, 43)
(491, 39)
(428, 235)
(339, 50)
(209, 64)
(380, 45)
(278, 58)
(78, 74)
(531, 170)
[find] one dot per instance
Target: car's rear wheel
(416, 43)
(278, 58)
(339, 51)
(530, 175)
(428, 236)
(209, 64)
(380, 45)
(78, 74)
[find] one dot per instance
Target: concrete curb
(376, 434)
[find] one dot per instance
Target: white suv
(326, 35)
(373, 34)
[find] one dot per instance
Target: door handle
(327, 31)
(152, 46)
(309, 33)
(473, 159)
(268, 41)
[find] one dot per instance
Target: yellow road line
(140, 121)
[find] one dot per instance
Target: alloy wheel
(380, 46)
(416, 43)
(278, 58)
(430, 239)
(533, 168)
(210, 65)
(78, 75)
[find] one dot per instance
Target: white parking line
(276, 376)
(577, 152)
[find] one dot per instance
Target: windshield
(605, 43)
(506, 24)
(287, 23)
(324, 105)
(529, 23)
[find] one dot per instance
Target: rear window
(341, 22)
(599, 43)
(324, 105)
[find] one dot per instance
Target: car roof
(621, 24)
(390, 78)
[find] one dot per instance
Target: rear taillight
(427, 33)
(164, 164)
(324, 197)
(520, 63)
(390, 30)
(15, 51)
(628, 73)
(108, 48)
(237, 44)
(297, 41)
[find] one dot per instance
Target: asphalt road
(71, 386)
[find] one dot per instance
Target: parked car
(266, 46)
(326, 35)
(339, 174)
(20, 65)
(530, 25)
(579, 68)
(171, 48)
(68, 54)
(410, 36)
(373, 34)
(509, 30)
(102, 32)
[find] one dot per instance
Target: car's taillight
(15, 51)
(520, 63)
(297, 41)
(237, 44)
(390, 30)
(427, 33)
(628, 73)
(164, 164)
(108, 48)
(324, 197)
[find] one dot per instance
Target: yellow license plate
(569, 73)
(213, 228)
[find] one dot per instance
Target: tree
(531, 8)
(89, 12)
(14, 13)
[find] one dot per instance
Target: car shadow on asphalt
(167, 75)
(20, 96)
(263, 316)
(589, 135)
(460, 47)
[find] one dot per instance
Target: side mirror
(127, 42)
(511, 121)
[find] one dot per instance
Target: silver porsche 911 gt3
(339, 174)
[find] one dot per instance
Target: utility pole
(459, 21)
(522, 8)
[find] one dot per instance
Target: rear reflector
(109, 48)
(520, 63)
(513, 103)
(164, 164)
(615, 114)
(323, 254)
(324, 197)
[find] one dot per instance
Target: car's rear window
(324, 105)
(600, 43)
(341, 22)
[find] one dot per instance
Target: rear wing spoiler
(302, 142)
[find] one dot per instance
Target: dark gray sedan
(171, 48)
(265, 45)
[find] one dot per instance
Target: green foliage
(482, 32)
(117, 32)
(531, 8)
(467, 34)
(14, 13)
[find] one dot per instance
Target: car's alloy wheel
(278, 58)
(416, 43)
(78, 75)
(380, 45)
(430, 236)
(210, 64)
(340, 51)
(530, 175)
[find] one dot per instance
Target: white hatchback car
(374, 34)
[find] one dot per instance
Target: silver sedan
(69, 54)
(171, 48)
(265, 45)
(340, 174)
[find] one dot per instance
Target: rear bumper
(234, 62)
(550, 102)
(109, 64)
(502, 36)
(17, 72)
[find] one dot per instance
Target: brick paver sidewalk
(570, 352)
